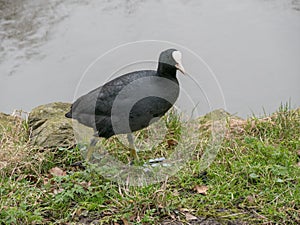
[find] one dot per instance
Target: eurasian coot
(130, 102)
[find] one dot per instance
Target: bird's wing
(100, 100)
(154, 106)
(110, 91)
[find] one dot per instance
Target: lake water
(249, 50)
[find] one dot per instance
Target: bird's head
(172, 58)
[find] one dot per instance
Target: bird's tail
(68, 114)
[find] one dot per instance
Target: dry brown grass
(16, 154)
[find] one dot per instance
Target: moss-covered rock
(49, 126)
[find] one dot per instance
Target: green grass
(254, 179)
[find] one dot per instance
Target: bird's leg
(91, 148)
(133, 153)
(89, 153)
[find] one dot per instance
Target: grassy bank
(255, 179)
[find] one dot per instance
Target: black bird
(130, 102)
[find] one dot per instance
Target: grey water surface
(249, 50)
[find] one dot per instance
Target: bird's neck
(166, 70)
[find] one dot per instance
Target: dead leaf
(250, 199)
(85, 184)
(298, 153)
(56, 171)
(201, 189)
(171, 143)
(46, 180)
(298, 164)
(190, 217)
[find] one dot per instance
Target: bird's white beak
(180, 68)
(177, 57)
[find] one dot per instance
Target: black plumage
(147, 95)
